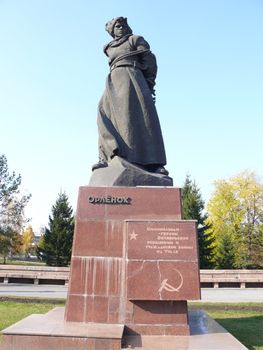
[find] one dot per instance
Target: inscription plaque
(162, 260)
(165, 241)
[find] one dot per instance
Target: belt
(126, 64)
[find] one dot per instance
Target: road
(232, 295)
(208, 294)
(30, 290)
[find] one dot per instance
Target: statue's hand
(153, 94)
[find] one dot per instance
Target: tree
(236, 210)
(12, 204)
(226, 253)
(27, 240)
(193, 209)
(56, 243)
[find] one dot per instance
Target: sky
(52, 75)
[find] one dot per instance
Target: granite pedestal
(134, 260)
(134, 266)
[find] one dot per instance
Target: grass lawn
(11, 311)
(243, 320)
(22, 262)
(245, 325)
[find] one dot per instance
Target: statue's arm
(147, 60)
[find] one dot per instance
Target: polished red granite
(162, 256)
(134, 266)
(134, 261)
(160, 203)
(49, 331)
(161, 240)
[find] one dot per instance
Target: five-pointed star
(133, 235)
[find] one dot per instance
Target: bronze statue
(127, 118)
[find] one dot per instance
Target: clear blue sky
(52, 75)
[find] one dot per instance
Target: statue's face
(120, 29)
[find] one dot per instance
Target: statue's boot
(101, 164)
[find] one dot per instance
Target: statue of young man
(127, 118)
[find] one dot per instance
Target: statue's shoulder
(136, 41)
(135, 37)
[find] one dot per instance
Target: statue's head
(118, 27)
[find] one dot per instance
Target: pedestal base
(50, 331)
(205, 333)
(152, 317)
(42, 332)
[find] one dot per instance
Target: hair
(109, 27)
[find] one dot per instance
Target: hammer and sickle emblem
(168, 287)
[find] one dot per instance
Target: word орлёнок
(109, 200)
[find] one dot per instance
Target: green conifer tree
(56, 244)
(225, 254)
(193, 209)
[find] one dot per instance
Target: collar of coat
(116, 42)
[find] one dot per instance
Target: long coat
(127, 118)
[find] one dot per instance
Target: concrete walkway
(208, 294)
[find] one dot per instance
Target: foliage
(193, 209)
(9, 242)
(236, 215)
(225, 253)
(55, 246)
(12, 205)
(27, 240)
